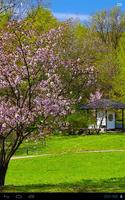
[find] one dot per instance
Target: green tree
(119, 82)
(109, 25)
(41, 20)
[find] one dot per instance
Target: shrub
(77, 121)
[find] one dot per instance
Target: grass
(70, 172)
(61, 144)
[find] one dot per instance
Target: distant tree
(109, 25)
(20, 8)
(41, 20)
(101, 50)
(96, 49)
(74, 47)
(119, 81)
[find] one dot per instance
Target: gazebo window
(110, 117)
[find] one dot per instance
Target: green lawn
(60, 144)
(72, 171)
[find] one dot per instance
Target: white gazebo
(106, 114)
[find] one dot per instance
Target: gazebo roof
(103, 104)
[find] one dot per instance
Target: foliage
(80, 31)
(107, 30)
(4, 18)
(41, 20)
(119, 83)
(77, 121)
(109, 25)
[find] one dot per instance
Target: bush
(77, 121)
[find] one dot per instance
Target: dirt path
(83, 151)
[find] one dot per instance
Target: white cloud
(119, 4)
(65, 16)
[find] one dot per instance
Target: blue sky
(81, 9)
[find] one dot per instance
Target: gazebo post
(122, 119)
(106, 118)
(115, 120)
(96, 116)
(87, 113)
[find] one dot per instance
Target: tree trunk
(3, 170)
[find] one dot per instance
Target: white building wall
(101, 119)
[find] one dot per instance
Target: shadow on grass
(107, 185)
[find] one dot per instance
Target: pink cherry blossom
(96, 96)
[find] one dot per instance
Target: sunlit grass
(69, 172)
(59, 144)
(73, 171)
